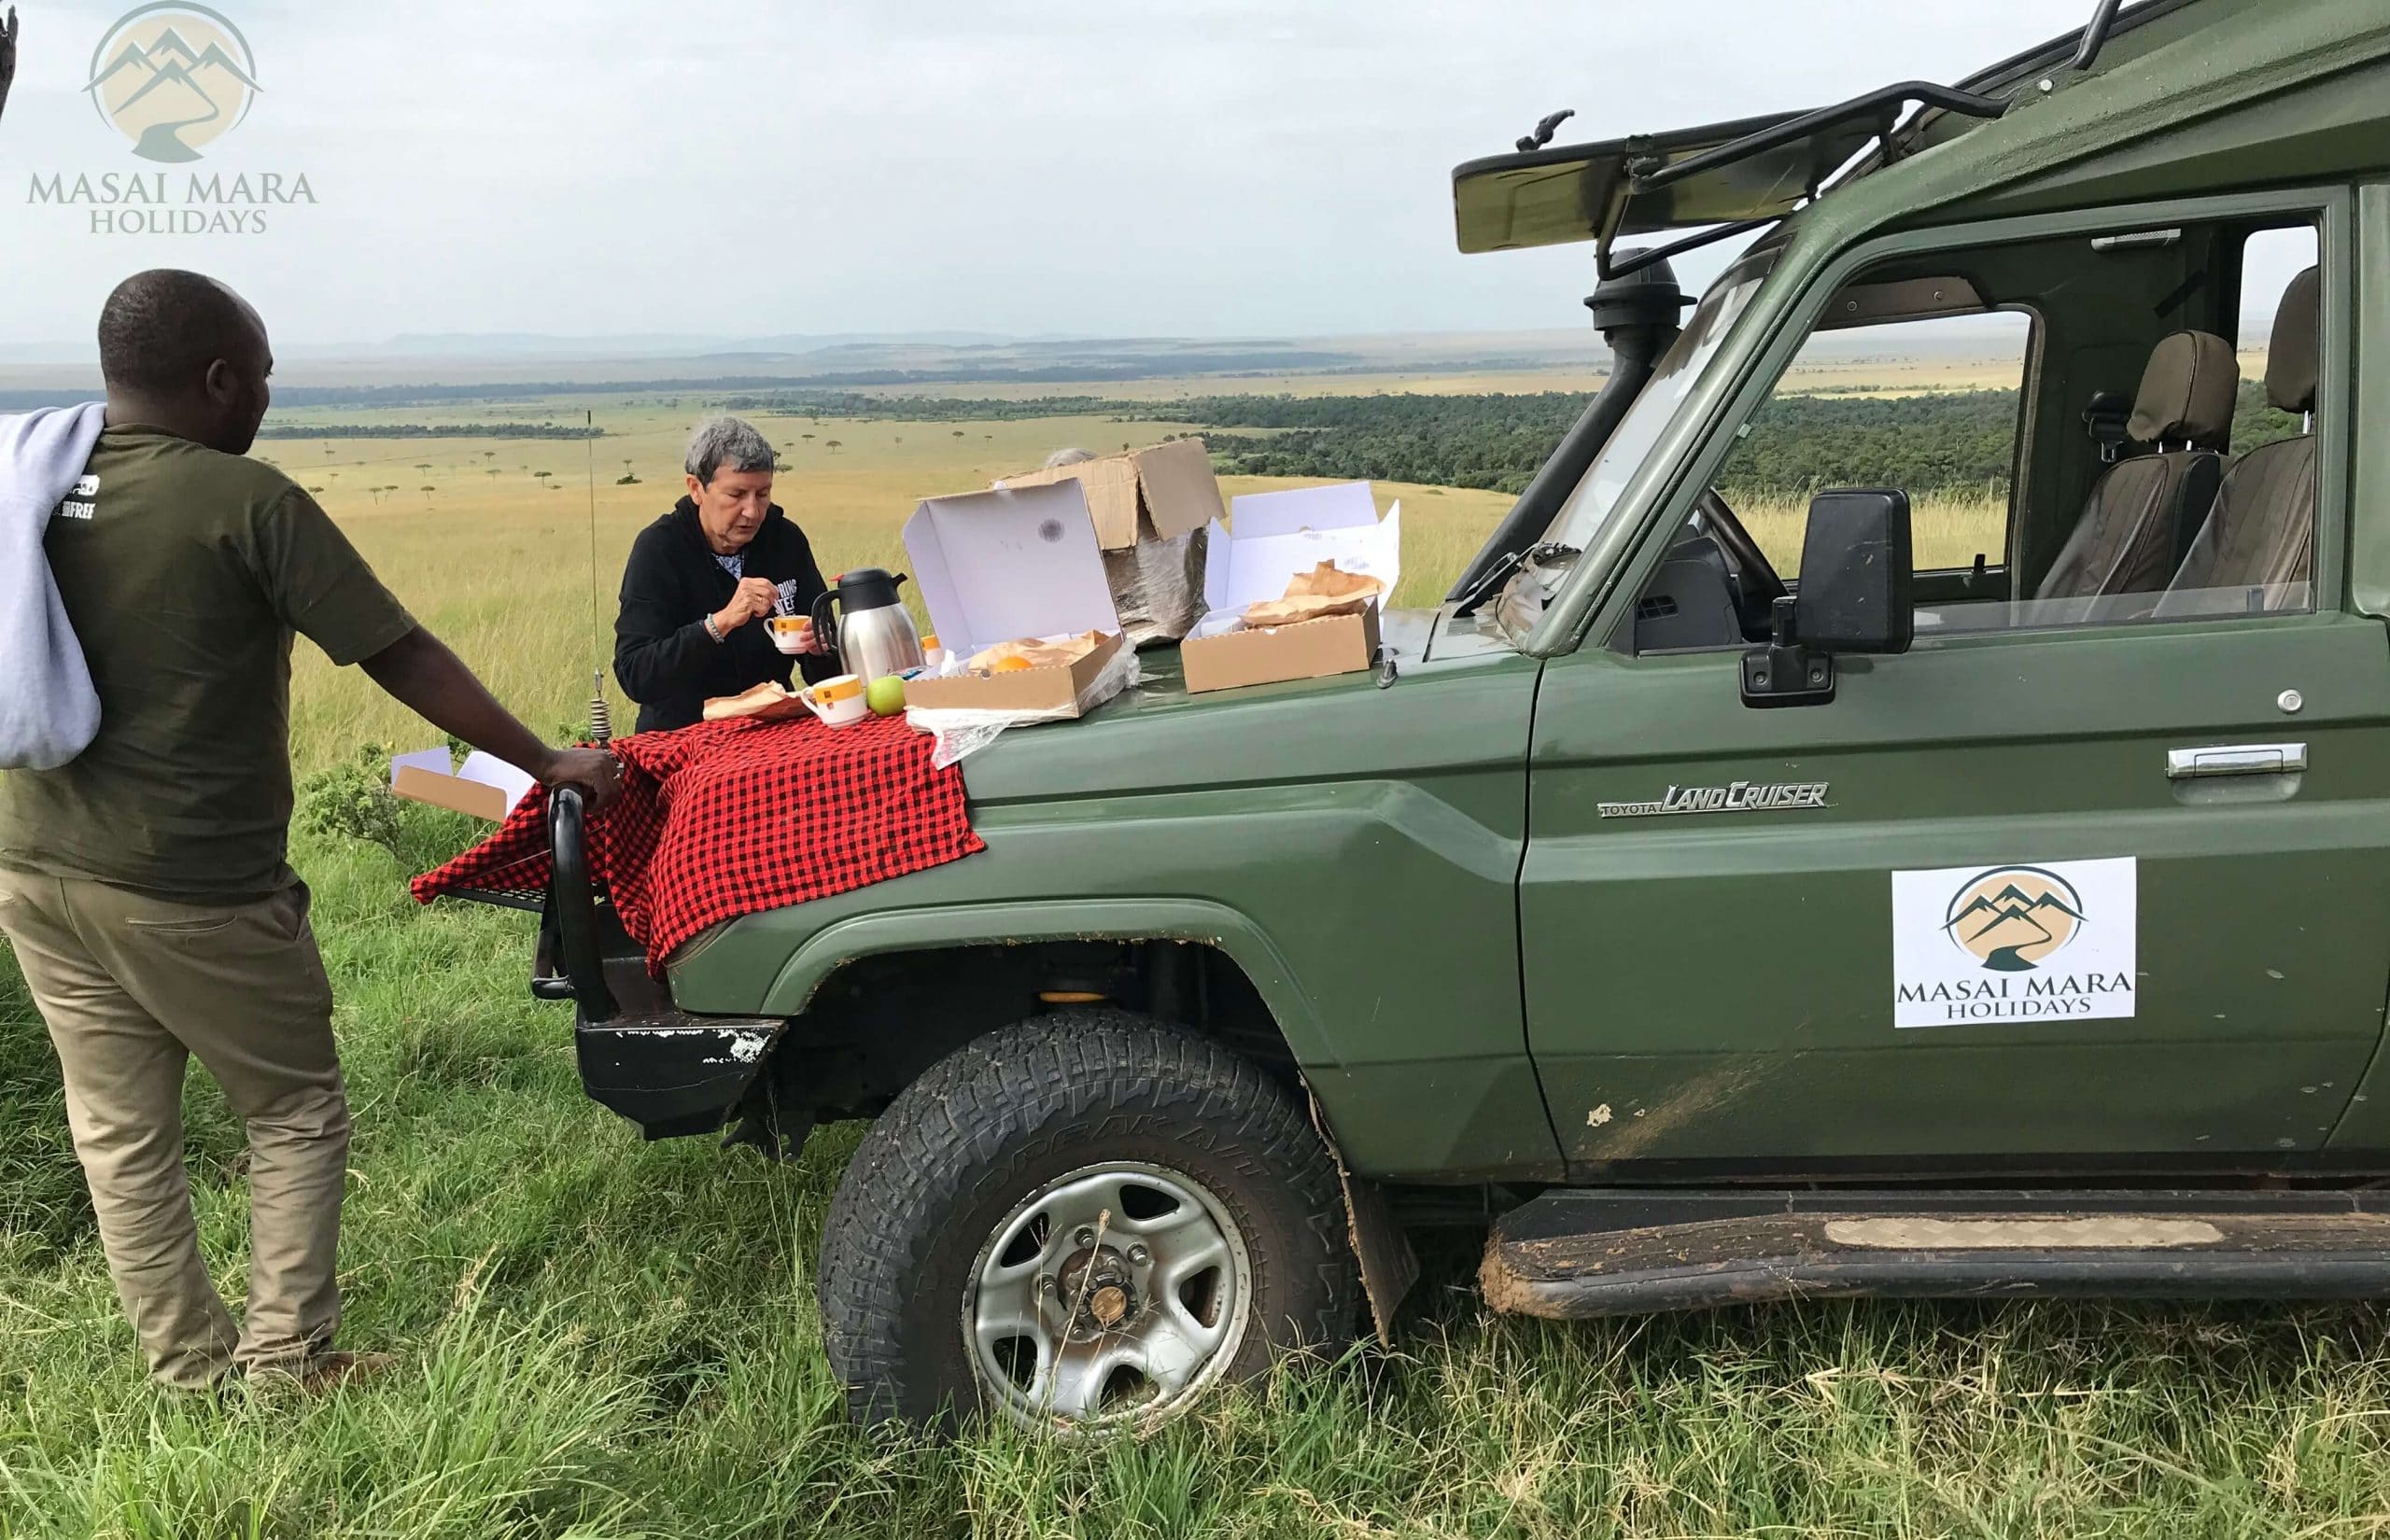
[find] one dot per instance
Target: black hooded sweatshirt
(663, 656)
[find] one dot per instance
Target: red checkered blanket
(731, 817)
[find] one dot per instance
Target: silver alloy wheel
(1114, 1294)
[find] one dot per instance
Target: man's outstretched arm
(423, 674)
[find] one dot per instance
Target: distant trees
(428, 431)
(832, 445)
(1933, 443)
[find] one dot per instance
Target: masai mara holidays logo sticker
(2025, 941)
(173, 79)
(2012, 917)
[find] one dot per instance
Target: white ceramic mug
(791, 642)
(839, 702)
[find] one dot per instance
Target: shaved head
(180, 350)
(161, 330)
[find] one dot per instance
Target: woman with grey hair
(701, 578)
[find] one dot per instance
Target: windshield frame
(1578, 522)
(1693, 360)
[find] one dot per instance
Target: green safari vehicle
(1863, 899)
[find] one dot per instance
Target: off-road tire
(986, 1126)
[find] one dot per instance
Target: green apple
(886, 695)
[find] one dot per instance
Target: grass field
(606, 1338)
(498, 559)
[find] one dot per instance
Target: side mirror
(1857, 595)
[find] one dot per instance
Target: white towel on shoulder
(48, 711)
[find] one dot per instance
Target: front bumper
(672, 1074)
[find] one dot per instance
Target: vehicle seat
(2260, 536)
(2141, 511)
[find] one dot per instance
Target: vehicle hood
(1448, 704)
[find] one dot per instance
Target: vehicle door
(1988, 908)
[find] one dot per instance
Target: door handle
(2239, 759)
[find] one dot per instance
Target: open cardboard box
(1273, 537)
(1006, 565)
(484, 785)
(1170, 487)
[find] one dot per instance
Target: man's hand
(592, 772)
(755, 598)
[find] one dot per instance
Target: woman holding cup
(708, 581)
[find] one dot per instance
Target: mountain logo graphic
(172, 78)
(2011, 919)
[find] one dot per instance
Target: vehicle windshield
(1581, 519)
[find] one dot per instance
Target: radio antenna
(601, 720)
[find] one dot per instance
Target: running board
(1566, 1257)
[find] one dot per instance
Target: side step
(1575, 1255)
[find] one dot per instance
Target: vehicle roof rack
(1726, 180)
(1719, 179)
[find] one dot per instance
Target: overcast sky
(753, 167)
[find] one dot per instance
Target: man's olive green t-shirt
(185, 573)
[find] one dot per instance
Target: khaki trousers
(131, 987)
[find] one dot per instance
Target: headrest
(2188, 391)
(2291, 359)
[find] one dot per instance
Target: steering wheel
(1760, 586)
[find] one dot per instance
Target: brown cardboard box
(1005, 565)
(1168, 489)
(1057, 691)
(485, 787)
(1275, 535)
(1150, 509)
(1340, 644)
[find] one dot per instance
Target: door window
(1928, 406)
(2091, 430)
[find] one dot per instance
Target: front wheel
(1084, 1222)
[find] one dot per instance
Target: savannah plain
(608, 1339)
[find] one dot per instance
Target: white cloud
(743, 167)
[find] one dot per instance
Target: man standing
(144, 883)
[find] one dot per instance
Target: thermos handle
(826, 634)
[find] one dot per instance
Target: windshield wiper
(1502, 571)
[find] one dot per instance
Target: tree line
(1953, 443)
(430, 430)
